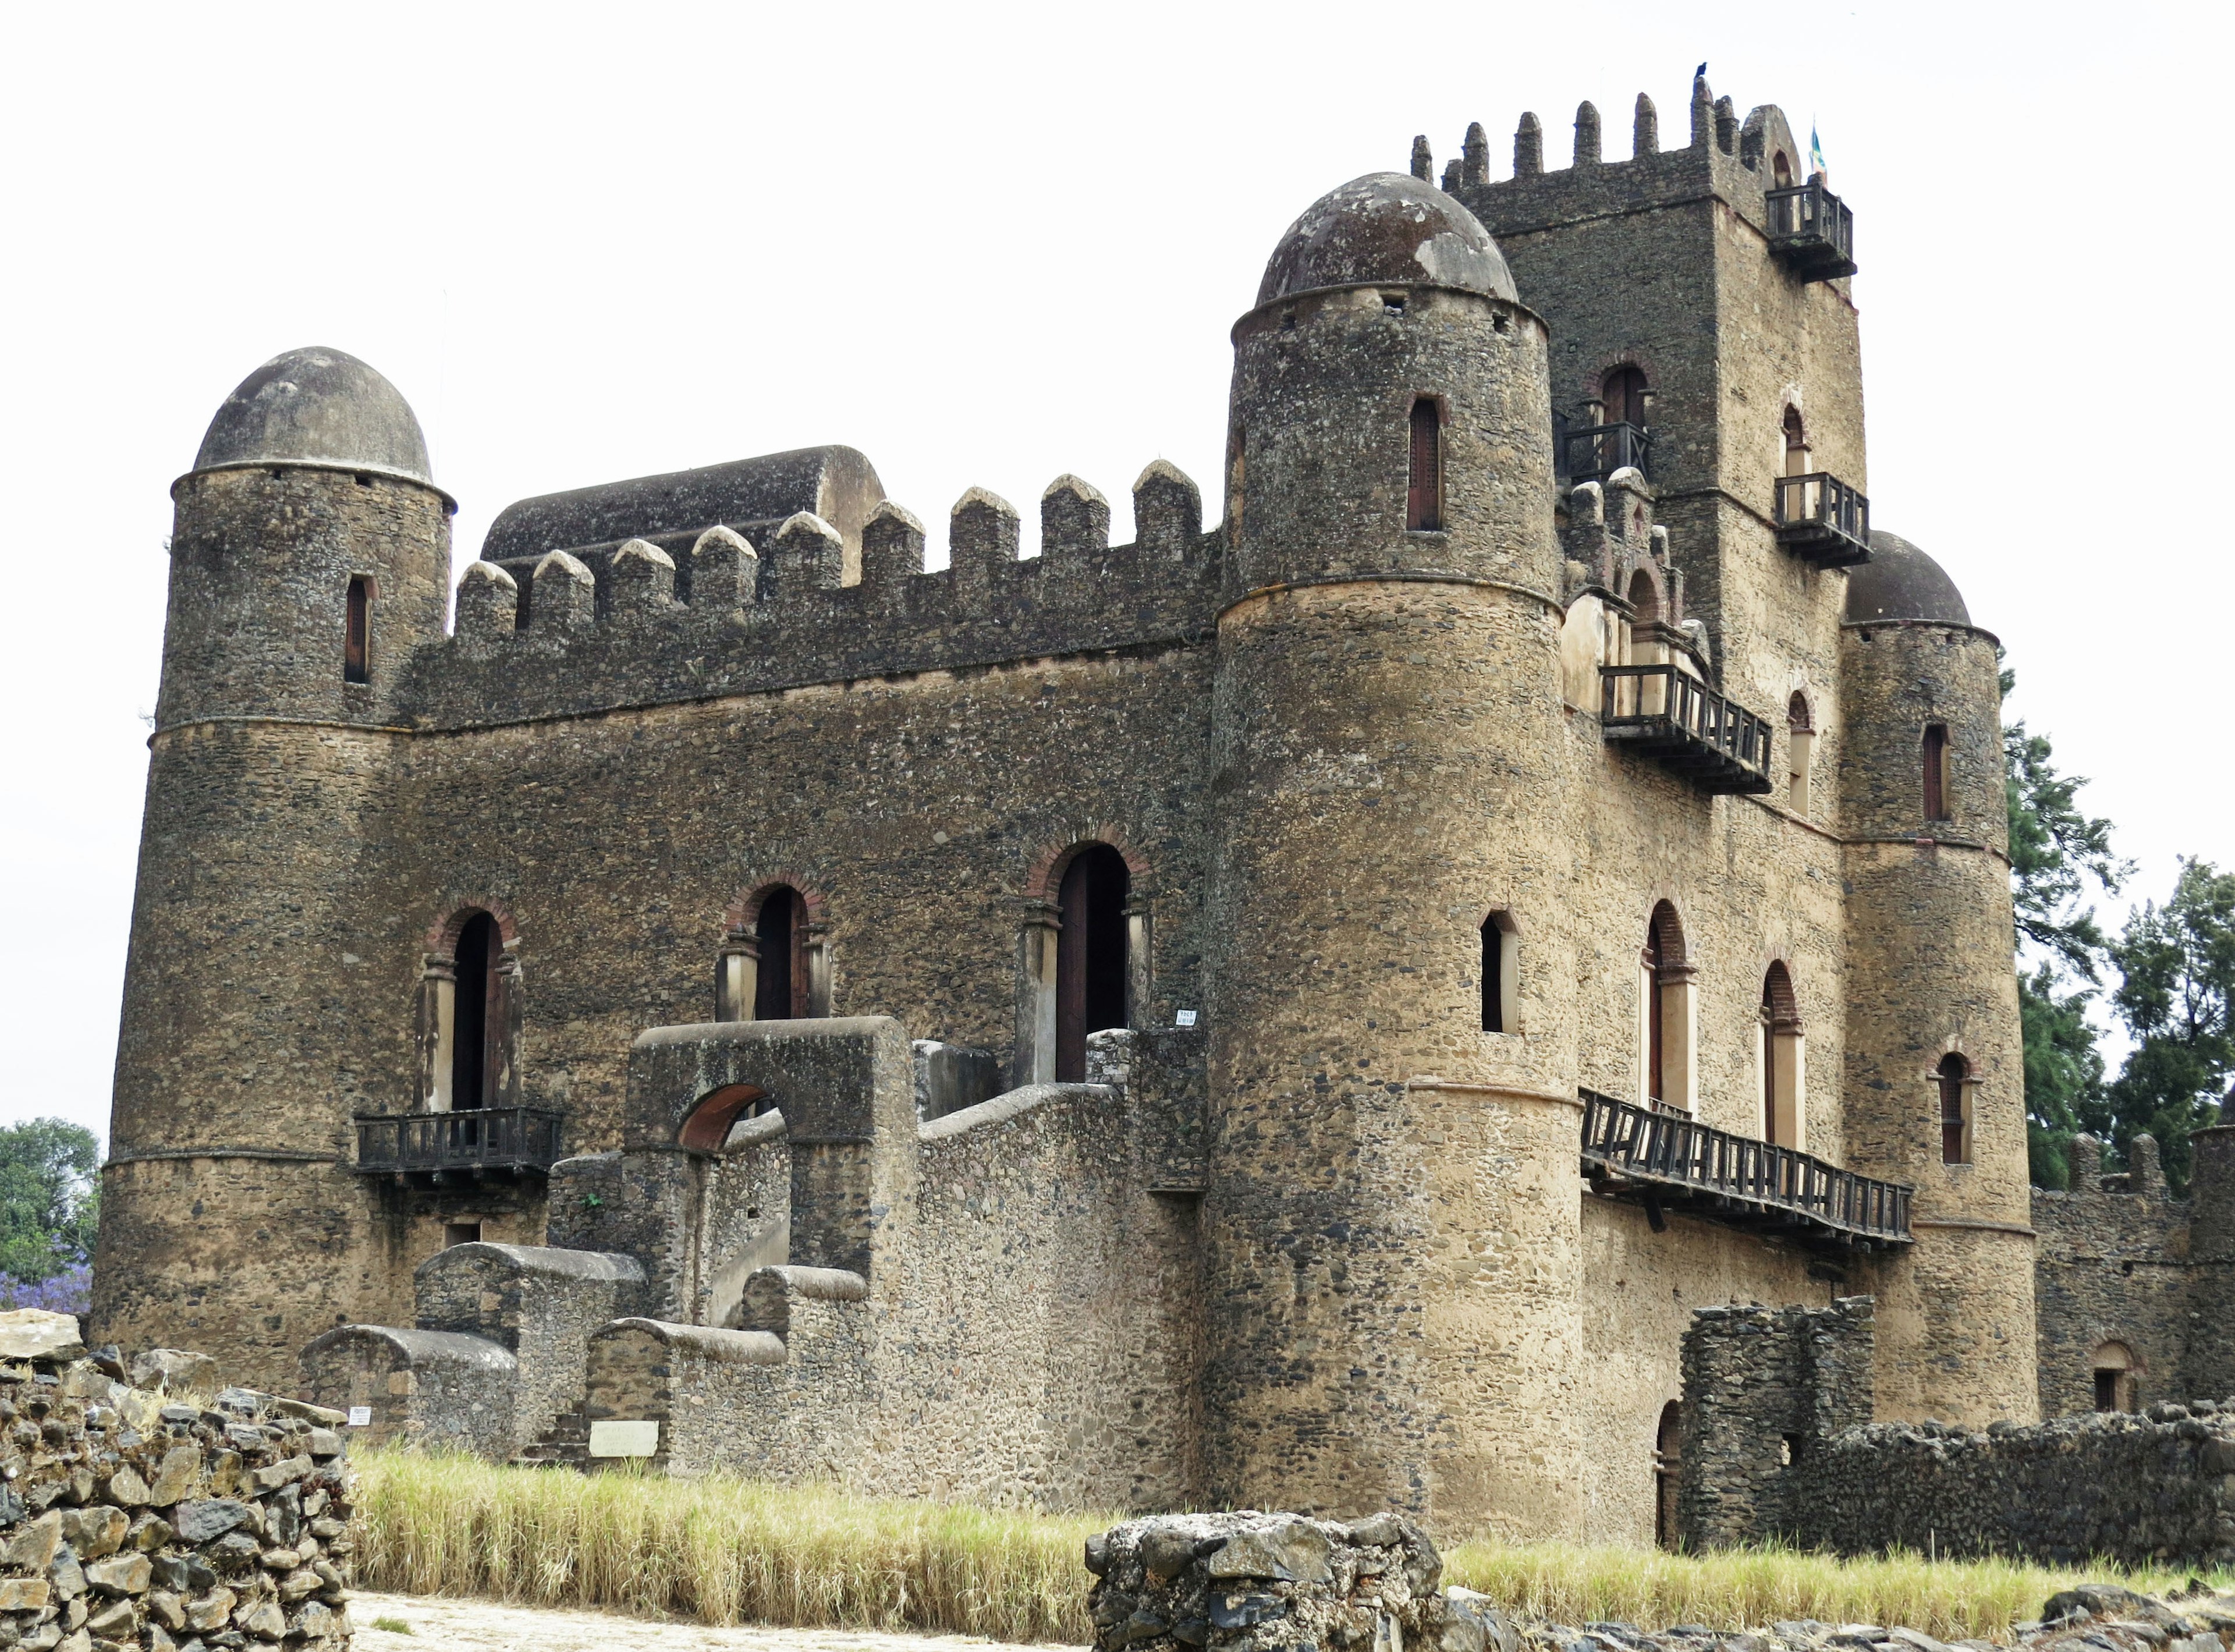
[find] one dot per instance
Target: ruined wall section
(2113, 1265)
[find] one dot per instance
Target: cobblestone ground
(439, 1624)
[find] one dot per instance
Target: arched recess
(1082, 955)
(710, 1122)
(1784, 1063)
(1952, 1085)
(1668, 1461)
(1932, 762)
(1800, 751)
(470, 1010)
(1666, 1016)
(2118, 1377)
(1797, 462)
(775, 961)
(1501, 974)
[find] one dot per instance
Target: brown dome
(1386, 228)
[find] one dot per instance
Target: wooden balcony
(1594, 452)
(1718, 745)
(1813, 230)
(1670, 1161)
(480, 1144)
(1822, 519)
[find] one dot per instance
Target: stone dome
(317, 407)
(1386, 227)
(1901, 582)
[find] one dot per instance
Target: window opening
(1780, 170)
(460, 1233)
(2116, 1383)
(1800, 751)
(780, 932)
(1781, 1116)
(1935, 771)
(1622, 393)
(1796, 444)
(1424, 492)
(1955, 1125)
(357, 632)
(1667, 1459)
(1501, 948)
(1665, 1014)
(475, 1029)
(1089, 976)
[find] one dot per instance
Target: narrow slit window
(1954, 1121)
(1424, 492)
(357, 632)
(1935, 771)
(1501, 950)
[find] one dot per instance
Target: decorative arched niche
(775, 961)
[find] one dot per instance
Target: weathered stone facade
(1113, 1027)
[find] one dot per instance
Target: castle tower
(1936, 1082)
(310, 556)
(1390, 1221)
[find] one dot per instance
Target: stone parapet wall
(142, 1511)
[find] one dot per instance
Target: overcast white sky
(988, 246)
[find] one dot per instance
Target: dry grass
(729, 1551)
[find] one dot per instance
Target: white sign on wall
(623, 1439)
(360, 1417)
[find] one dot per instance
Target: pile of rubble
(1253, 1581)
(150, 1508)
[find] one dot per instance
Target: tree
(49, 1203)
(2058, 853)
(2178, 966)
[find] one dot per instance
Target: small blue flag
(1815, 153)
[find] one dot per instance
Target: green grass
(393, 1625)
(729, 1551)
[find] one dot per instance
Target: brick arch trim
(742, 913)
(443, 939)
(1645, 570)
(1593, 383)
(1665, 926)
(1044, 877)
(1784, 1004)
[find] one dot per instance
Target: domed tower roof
(1901, 582)
(1386, 227)
(317, 407)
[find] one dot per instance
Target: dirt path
(440, 1624)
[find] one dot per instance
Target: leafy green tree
(2059, 854)
(2178, 967)
(49, 1201)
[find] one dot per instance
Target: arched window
(780, 932)
(1783, 1116)
(1423, 489)
(1665, 1014)
(1501, 959)
(1090, 955)
(357, 632)
(1953, 1080)
(2117, 1383)
(469, 1016)
(1935, 761)
(1644, 599)
(1667, 1459)
(1796, 444)
(1800, 750)
(1780, 171)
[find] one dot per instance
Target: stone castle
(1297, 1012)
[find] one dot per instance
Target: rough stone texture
(1328, 1245)
(138, 1517)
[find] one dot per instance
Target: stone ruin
(150, 1508)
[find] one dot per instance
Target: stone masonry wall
(2112, 1266)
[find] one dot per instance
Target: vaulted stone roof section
(317, 407)
(1386, 228)
(836, 483)
(1901, 582)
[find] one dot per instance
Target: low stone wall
(145, 1512)
(2114, 1486)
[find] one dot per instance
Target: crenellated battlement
(575, 630)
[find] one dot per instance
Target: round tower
(310, 555)
(1392, 1218)
(1935, 1091)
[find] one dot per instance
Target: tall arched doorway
(478, 1014)
(1667, 1464)
(1090, 975)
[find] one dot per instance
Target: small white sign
(624, 1439)
(360, 1417)
(1185, 1018)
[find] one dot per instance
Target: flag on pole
(1815, 154)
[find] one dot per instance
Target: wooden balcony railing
(1719, 745)
(1813, 230)
(1819, 517)
(1594, 452)
(476, 1142)
(1673, 1161)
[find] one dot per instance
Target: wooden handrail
(1686, 705)
(515, 1138)
(1654, 1144)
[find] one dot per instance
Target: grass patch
(723, 1550)
(393, 1625)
